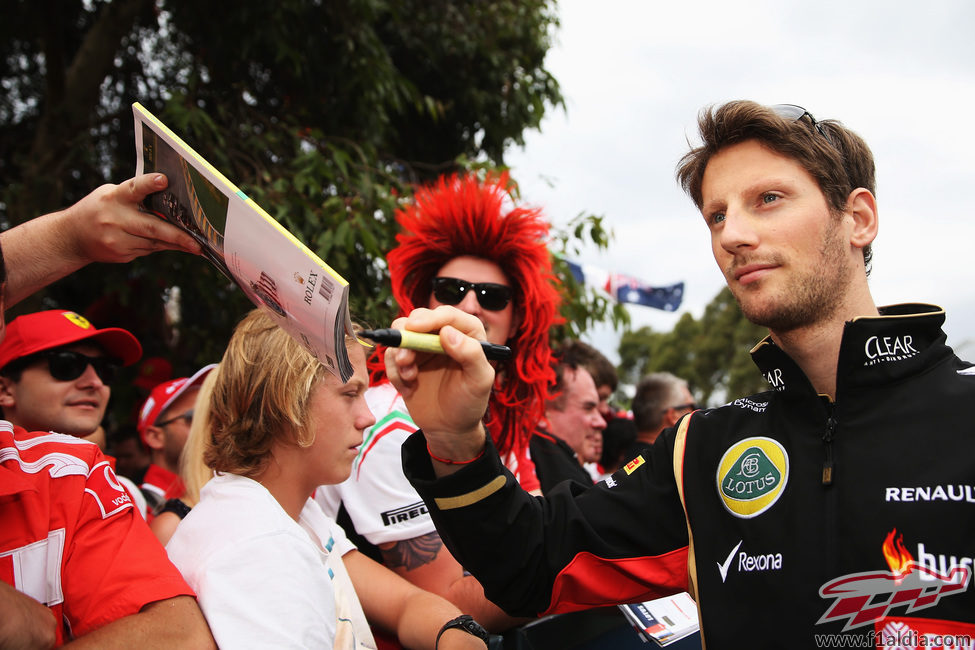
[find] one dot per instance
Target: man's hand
(108, 226)
(447, 395)
(24, 622)
(105, 226)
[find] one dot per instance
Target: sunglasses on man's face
(186, 417)
(490, 295)
(67, 365)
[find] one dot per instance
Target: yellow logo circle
(77, 319)
(752, 475)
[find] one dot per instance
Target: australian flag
(628, 289)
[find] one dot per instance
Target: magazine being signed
(307, 298)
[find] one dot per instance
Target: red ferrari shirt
(71, 538)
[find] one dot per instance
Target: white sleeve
(382, 504)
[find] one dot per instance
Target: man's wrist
(456, 448)
(463, 623)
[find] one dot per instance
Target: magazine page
(663, 620)
(306, 297)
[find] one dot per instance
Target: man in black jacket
(797, 516)
(571, 433)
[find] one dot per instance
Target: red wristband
(453, 462)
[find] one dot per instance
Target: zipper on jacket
(828, 441)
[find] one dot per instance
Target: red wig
(465, 216)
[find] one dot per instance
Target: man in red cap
(75, 559)
(164, 423)
(56, 369)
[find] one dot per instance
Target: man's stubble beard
(812, 296)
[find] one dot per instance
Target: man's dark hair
(838, 159)
(582, 354)
(556, 387)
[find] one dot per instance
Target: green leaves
(325, 113)
(711, 353)
(582, 306)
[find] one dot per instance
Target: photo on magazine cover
(191, 201)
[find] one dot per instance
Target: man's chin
(79, 428)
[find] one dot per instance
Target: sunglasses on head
(67, 365)
(794, 113)
(490, 295)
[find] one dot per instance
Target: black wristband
(466, 623)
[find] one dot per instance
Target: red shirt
(71, 537)
(162, 483)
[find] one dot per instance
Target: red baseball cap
(165, 394)
(55, 328)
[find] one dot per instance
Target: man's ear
(515, 324)
(155, 438)
(862, 207)
(670, 417)
(7, 399)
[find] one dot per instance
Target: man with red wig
(463, 242)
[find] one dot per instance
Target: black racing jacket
(796, 521)
(555, 461)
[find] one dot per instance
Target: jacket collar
(874, 351)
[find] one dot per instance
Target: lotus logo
(752, 475)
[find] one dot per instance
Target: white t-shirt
(264, 580)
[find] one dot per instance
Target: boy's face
(338, 415)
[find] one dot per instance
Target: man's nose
(470, 304)
(89, 378)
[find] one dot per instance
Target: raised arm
(461, 379)
(105, 226)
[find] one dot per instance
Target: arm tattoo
(413, 553)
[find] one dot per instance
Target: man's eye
(717, 217)
(769, 198)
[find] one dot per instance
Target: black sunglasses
(68, 365)
(188, 416)
(795, 113)
(491, 296)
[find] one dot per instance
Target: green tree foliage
(583, 306)
(325, 113)
(710, 353)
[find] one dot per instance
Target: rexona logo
(746, 562)
(863, 598)
(752, 475)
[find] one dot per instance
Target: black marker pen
(428, 342)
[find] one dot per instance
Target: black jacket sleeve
(622, 540)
